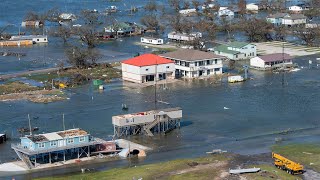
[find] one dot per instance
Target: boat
(24, 130)
(112, 9)
(234, 79)
(124, 107)
(241, 171)
(3, 138)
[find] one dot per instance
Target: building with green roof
(236, 50)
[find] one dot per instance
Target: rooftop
(57, 135)
(277, 15)
(27, 37)
(146, 113)
(237, 44)
(224, 48)
(147, 60)
(275, 57)
(294, 16)
(191, 55)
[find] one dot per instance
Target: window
(216, 69)
(41, 145)
(37, 39)
(168, 67)
(187, 64)
(45, 39)
(147, 69)
(70, 140)
(53, 143)
(81, 139)
(215, 61)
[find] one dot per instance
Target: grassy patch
(270, 172)
(153, 171)
(104, 72)
(15, 87)
(305, 154)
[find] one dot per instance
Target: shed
(270, 61)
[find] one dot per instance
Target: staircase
(148, 127)
(25, 159)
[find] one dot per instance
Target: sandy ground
(292, 49)
(40, 96)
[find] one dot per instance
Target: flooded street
(243, 118)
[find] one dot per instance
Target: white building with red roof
(146, 68)
(271, 61)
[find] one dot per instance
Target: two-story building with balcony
(194, 63)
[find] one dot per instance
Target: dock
(147, 123)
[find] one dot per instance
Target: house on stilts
(147, 123)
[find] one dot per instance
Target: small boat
(241, 171)
(24, 130)
(3, 138)
(124, 107)
(112, 9)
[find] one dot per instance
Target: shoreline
(216, 166)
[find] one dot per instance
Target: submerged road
(13, 75)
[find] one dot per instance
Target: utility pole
(30, 125)
(283, 59)
(155, 87)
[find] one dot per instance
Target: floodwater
(259, 109)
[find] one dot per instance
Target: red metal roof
(275, 57)
(147, 60)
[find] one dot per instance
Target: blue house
(276, 19)
(55, 147)
(56, 139)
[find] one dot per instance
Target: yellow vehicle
(286, 164)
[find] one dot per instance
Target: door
(200, 73)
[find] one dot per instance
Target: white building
(270, 61)
(67, 17)
(287, 19)
(294, 19)
(296, 9)
(147, 67)
(225, 12)
(252, 7)
(237, 50)
(208, 6)
(32, 23)
(184, 36)
(194, 63)
(150, 40)
(34, 38)
(187, 11)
